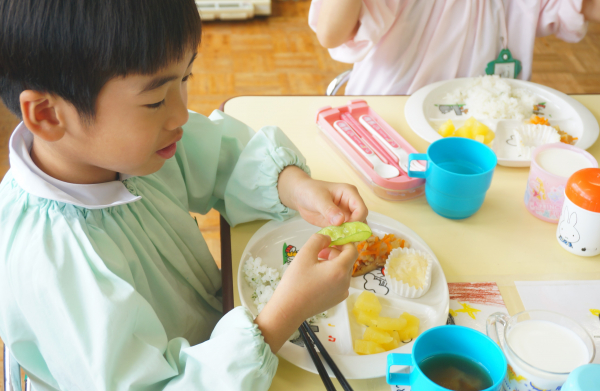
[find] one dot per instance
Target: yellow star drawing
(468, 309)
(452, 312)
(595, 312)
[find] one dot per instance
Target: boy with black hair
(105, 281)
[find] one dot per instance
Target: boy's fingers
(329, 253)
(358, 208)
(331, 212)
(315, 244)
(348, 255)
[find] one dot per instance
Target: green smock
(111, 286)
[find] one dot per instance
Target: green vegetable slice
(347, 233)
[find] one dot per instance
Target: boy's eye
(156, 105)
(185, 78)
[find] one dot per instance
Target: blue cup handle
(400, 379)
(417, 156)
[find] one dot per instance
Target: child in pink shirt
(399, 46)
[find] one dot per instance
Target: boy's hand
(320, 203)
(307, 288)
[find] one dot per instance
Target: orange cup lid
(583, 189)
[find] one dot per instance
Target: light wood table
(502, 242)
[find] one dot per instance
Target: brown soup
(456, 372)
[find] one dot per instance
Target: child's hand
(307, 288)
(320, 203)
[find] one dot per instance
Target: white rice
(264, 281)
(490, 97)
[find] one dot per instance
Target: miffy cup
(551, 167)
(579, 225)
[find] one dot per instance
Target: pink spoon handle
(375, 126)
(364, 133)
(342, 126)
(382, 169)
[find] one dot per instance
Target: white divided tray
(340, 328)
(424, 115)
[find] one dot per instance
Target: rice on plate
(490, 97)
(264, 281)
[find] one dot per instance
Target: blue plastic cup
(458, 174)
(585, 377)
(458, 340)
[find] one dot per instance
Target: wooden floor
(280, 55)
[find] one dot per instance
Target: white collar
(36, 182)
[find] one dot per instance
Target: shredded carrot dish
(373, 252)
(564, 136)
(536, 120)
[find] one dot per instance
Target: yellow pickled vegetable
(447, 129)
(411, 320)
(390, 323)
(382, 333)
(367, 301)
(377, 335)
(409, 332)
(472, 129)
(367, 347)
(391, 345)
(364, 317)
(482, 130)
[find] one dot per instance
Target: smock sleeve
(375, 18)
(229, 167)
(562, 18)
(73, 324)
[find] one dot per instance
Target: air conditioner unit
(232, 10)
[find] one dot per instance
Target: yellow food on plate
(368, 301)
(472, 129)
(447, 129)
(395, 343)
(411, 320)
(389, 323)
(382, 333)
(367, 347)
(364, 317)
(377, 335)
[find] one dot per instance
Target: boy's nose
(179, 115)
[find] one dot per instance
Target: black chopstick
(336, 371)
(315, 357)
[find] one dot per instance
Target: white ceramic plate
(424, 116)
(338, 330)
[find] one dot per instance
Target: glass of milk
(551, 167)
(541, 348)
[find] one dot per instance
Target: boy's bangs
(154, 34)
(71, 48)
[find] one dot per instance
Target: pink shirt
(403, 45)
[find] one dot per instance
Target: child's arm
(591, 10)
(564, 18)
(223, 164)
(308, 287)
(338, 21)
(351, 28)
(320, 203)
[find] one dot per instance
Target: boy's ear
(40, 115)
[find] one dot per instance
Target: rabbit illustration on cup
(568, 232)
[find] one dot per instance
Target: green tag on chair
(504, 66)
